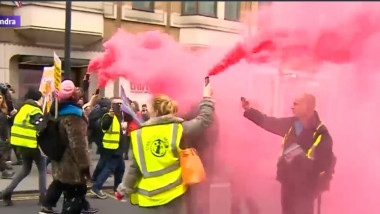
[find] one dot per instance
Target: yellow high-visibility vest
(317, 140)
(23, 133)
(111, 138)
(156, 150)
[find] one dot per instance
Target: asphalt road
(28, 204)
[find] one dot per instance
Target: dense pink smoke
(331, 48)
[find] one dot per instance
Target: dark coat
(4, 132)
(73, 168)
(302, 172)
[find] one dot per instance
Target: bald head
(309, 101)
(304, 105)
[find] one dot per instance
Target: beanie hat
(104, 103)
(33, 94)
(67, 90)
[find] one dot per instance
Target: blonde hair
(3, 105)
(163, 105)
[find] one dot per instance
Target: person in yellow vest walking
(114, 146)
(154, 180)
(23, 135)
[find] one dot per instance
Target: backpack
(325, 178)
(49, 138)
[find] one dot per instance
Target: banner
(57, 80)
(47, 87)
(127, 108)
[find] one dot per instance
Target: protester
(205, 144)
(7, 90)
(132, 125)
(87, 108)
(145, 113)
(6, 172)
(114, 146)
(95, 133)
(307, 160)
(72, 172)
(23, 135)
(156, 150)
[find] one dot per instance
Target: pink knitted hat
(67, 89)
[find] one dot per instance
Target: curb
(32, 192)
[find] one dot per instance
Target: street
(28, 204)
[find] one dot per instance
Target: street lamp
(67, 40)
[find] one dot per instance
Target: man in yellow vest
(23, 135)
(114, 146)
(307, 159)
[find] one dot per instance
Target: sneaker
(47, 210)
(6, 174)
(98, 194)
(17, 163)
(7, 199)
(90, 211)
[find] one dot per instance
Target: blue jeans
(28, 159)
(113, 164)
(99, 167)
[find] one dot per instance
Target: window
(232, 10)
(203, 8)
(143, 5)
(262, 4)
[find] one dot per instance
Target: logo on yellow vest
(159, 146)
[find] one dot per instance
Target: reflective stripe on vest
(317, 140)
(22, 132)
(111, 138)
(309, 153)
(156, 150)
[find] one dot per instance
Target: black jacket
(302, 170)
(106, 123)
(4, 132)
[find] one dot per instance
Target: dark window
(143, 5)
(232, 10)
(203, 8)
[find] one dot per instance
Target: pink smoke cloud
(334, 45)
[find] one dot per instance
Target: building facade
(25, 50)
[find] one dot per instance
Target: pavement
(25, 196)
(27, 203)
(30, 183)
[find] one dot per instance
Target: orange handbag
(193, 171)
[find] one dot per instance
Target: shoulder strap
(317, 136)
(286, 135)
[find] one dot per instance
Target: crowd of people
(154, 179)
(99, 122)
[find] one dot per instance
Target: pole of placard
(319, 202)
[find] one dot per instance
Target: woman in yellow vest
(154, 181)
